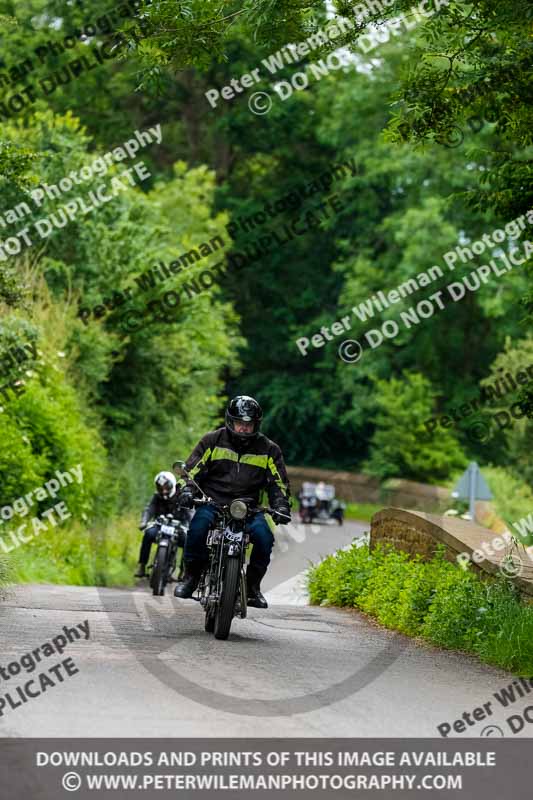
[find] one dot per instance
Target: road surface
(148, 668)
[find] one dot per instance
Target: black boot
(141, 571)
(254, 576)
(185, 588)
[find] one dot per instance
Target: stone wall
(417, 532)
(409, 536)
(353, 487)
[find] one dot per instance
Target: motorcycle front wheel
(228, 595)
(159, 569)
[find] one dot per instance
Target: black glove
(186, 499)
(281, 516)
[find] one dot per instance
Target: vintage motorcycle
(169, 538)
(319, 504)
(222, 586)
(308, 503)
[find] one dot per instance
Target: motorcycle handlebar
(273, 511)
(258, 509)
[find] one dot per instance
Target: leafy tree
(515, 358)
(98, 394)
(401, 444)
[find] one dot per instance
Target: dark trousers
(260, 535)
(146, 544)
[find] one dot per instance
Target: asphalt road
(149, 669)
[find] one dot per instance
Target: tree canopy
(344, 192)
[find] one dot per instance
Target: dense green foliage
(5, 572)
(125, 403)
(401, 444)
(363, 512)
(435, 600)
(104, 554)
(402, 211)
(513, 499)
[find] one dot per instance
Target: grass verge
(4, 574)
(104, 555)
(435, 600)
(361, 511)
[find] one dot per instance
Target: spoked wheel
(228, 595)
(157, 580)
(210, 621)
(171, 566)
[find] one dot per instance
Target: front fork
(244, 591)
(210, 590)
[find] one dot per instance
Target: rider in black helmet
(231, 462)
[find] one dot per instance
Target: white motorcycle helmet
(165, 484)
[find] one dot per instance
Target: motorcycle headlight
(238, 509)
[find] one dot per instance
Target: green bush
(122, 404)
(513, 497)
(361, 511)
(455, 614)
(4, 573)
(49, 421)
(401, 445)
(434, 599)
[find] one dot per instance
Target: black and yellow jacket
(226, 471)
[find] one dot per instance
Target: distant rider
(322, 497)
(164, 501)
(235, 461)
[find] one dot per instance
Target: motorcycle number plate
(233, 537)
(167, 529)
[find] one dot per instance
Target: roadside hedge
(435, 600)
(4, 573)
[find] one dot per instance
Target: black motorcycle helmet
(243, 409)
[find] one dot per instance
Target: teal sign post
(472, 487)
